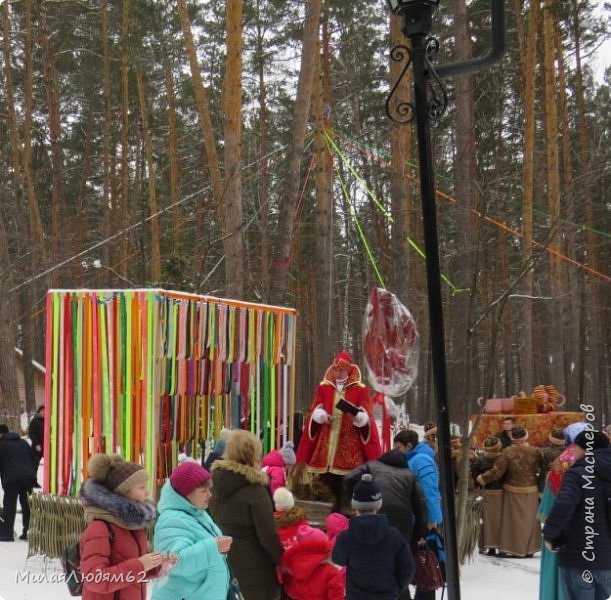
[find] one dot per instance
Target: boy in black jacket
(378, 560)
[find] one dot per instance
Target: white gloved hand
(361, 419)
(320, 415)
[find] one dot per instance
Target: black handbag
(234, 592)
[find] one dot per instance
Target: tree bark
(288, 207)
(175, 179)
(123, 209)
(529, 70)
(323, 273)
(467, 202)
(555, 348)
(155, 269)
(233, 237)
(110, 199)
(595, 317)
(10, 406)
(34, 210)
(263, 179)
(570, 277)
(54, 121)
(400, 145)
(205, 121)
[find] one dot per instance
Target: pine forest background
(241, 149)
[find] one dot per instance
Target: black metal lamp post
(430, 102)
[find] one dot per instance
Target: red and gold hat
(342, 361)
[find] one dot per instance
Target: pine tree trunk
(233, 236)
(54, 121)
(401, 147)
(122, 213)
(528, 191)
(263, 161)
(323, 249)
(460, 351)
(595, 321)
(205, 121)
(571, 277)
(34, 210)
(155, 270)
(555, 341)
(175, 179)
(10, 406)
(466, 231)
(288, 207)
(107, 161)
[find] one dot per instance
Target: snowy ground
(33, 579)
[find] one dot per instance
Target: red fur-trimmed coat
(311, 574)
(355, 445)
(112, 564)
(116, 562)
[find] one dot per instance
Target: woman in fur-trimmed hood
(113, 546)
(242, 508)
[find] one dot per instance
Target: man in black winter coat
(404, 503)
(36, 432)
(18, 475)
(579, 526)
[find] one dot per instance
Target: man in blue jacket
(579, 526)
(421, 461)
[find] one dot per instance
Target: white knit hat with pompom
(283, 499)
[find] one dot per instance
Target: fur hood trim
(251, 474)
(98, 499)
(290, 516)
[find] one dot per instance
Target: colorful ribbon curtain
(141, 373)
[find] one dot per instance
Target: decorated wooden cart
(538, 412)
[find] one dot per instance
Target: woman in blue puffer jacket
(186, 530)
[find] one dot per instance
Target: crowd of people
(236, 517)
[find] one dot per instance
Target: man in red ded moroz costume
(335, 441)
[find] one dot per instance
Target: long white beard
(341, 384)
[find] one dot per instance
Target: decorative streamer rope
(144, 372)
(378, 157)
(372, 259)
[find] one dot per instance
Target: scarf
(100, 503)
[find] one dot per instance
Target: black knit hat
(394, 458)
(592, 440)
(366, 494)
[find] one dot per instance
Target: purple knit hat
(188, 476)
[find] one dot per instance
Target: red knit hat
(188, 476)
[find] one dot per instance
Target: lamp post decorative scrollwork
(429, 104)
